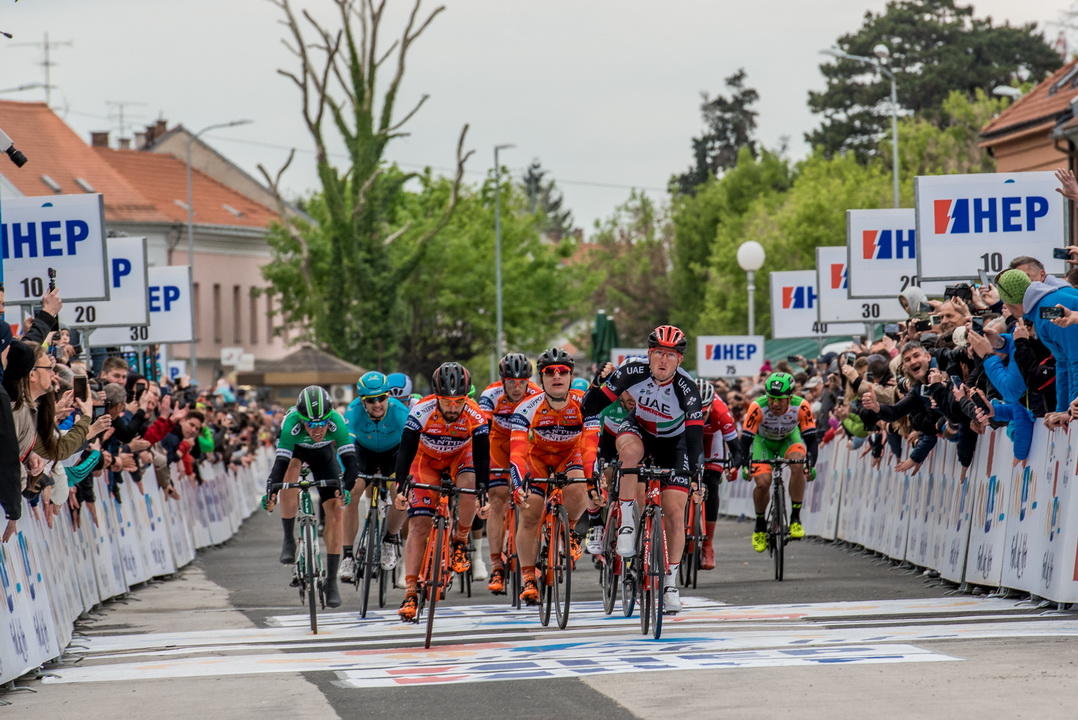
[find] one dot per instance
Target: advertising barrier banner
(171, 311)
(127, 277)
(793, 308)
(881, 254)
(835, 304)
(729, 355)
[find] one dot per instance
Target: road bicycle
(614, 577)
(689, 570)
(510, 559)
(650, 561)
(368, 547)
(778, 527)
(435, 572)
(555, 559)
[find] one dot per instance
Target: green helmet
(314, 404)
(779, 385)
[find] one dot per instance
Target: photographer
(996, 350)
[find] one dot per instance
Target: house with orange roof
(145, 194)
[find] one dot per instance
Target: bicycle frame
(554, 558)
(368, 548)
(778, 529)
(651, 559)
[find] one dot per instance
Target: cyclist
(445, 432)
(549, 435)
(497, 403)
(667, 426)
(400, 387)
(376, 421)
(610, 420)
(720, 431)
(777, 425)
(314, 433)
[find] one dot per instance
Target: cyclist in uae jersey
(667, 427)
(445, 433)
(550, 435)
(497, 403)
(778, 425)
(315, 434)
(720, 432)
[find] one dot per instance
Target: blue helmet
(372, 383)
(400, 385)
(580, 384)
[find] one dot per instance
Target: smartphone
(980, 402)
(956, 381)
(891, 330)
(52, 279)
(1061, 253)
(977, 324)
(851, 358)
(982, 276)
(1050, 313)
(922, 325)
(99, 410)
(934, 319)
(81, 386)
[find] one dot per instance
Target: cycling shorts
(428, 471)
(499, 458)
(323, 464)
(608, 447)
(662, 452)
(372, 462)
(764, 449)
(542, 466)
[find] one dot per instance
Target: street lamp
(750, 256)
(1007, 91)
(883, 54)
(499, 339)
(191, 221)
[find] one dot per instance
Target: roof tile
(1040, 103)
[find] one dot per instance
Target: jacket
(1063, 342)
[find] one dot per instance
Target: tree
(626, 263)
(951, 145)
(338, 279)
(729, 124)
(545, 199)
(936, 47)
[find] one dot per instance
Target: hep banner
(967, 223)
(793, 308)
(835, 305)
(729, 355)
(620, 355)
(881, 254)
(171, 312)
(127, 303)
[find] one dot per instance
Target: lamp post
(191, 223)
(499, 339)
(882, 53)
(750, 256)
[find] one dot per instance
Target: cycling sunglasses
(376, 399)
(315, 424)
(552, 370)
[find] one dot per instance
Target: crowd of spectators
(63, 424)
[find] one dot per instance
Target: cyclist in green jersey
(611, 418)
(314, 433)
(778, 425)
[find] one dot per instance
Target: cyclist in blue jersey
(376, 422)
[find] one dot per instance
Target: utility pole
(47, 45)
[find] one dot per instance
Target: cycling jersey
(377, 435)
(719, 429)
(498, 408)
(612, 418)
(664, 410)
(545, 439)
(321, 457)
(767, 435)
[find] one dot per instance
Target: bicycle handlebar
(645, 470)
(445, 488)
(303, 484)
(376, 477)
(778, 461)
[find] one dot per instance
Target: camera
(922, 325)
(959, 290)
(8, 146)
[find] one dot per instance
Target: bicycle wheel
(696, 556)
(512, 561)
(778, 529)
(435, 586)
(369, 561)
(643, 571)
(383, 585)
(310, 578)
(657, 572)
(610, 567)
(542, 570)
(562, 571)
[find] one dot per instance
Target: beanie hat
(20, 361)
(1012, 286)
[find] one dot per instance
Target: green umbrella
(604, 338)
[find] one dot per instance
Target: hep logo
(962, 216)
(838, 276)
(889, 244)
(798, 297)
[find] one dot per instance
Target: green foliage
(544, 198)
(950, 146)
(936, 47)
(729, 124)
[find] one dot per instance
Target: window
(217, 313)
(254, 316)
(84, 184)
(52, 184)
(237, 334)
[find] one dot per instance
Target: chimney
(159, 128)
(140, 141)
(99, 139)
(125, 143)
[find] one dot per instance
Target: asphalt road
(844, 632)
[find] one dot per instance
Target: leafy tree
(951, 145)
(729, 124)
(936, 47)
(544, 198)
(338, 280)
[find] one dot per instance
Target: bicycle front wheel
(643, 572)
(778, 530)
(562, 557)
(609, 570)
(657, 572)
(310, 573)
(434, 588)
(543, 566)
(368, 562)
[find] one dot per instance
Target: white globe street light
(750, 256)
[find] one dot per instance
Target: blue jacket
(377, 435)
(1063, 342)
(1006, 377)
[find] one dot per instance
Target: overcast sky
(604, 92)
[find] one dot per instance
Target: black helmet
(554, 356)
(515, 365)
(314, 404)
(451, 379)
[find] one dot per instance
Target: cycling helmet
(707, 391)
(580, 384)
(515, 366)
(400, 385)
(554, 356)
(314, 404)
(667, 336)
(779, 385)
(371, 384)
(451, 379)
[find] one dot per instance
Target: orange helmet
(668, 336)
